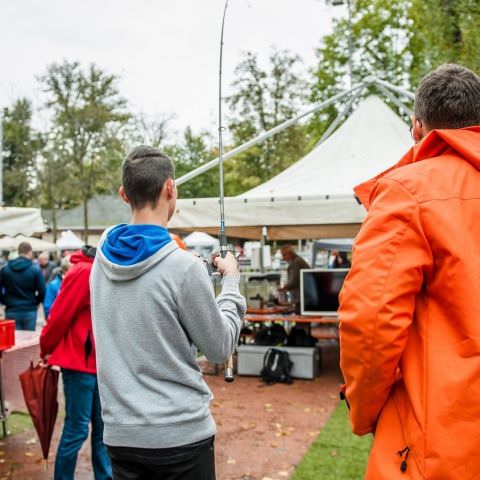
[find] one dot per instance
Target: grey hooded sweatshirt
(148, 319)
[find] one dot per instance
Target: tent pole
(394, 99)
(331, 128)
(395, 89)
(263, 136)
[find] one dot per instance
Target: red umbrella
(40, 388)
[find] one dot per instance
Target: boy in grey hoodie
(152, 307)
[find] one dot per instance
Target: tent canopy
(314, 197)
(69, 241)
(16, 220)
(200, 239)
(12, 243)
(372, 139)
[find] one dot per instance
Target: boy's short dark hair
(449, 97)
(144, 172)
(24, 248)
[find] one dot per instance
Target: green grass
(18, 422)
(336, 454)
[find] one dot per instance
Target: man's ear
(123, 195)
(170, 188)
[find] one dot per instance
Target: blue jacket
(51, 294)
(22, 285)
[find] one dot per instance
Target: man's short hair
(144, 172)
(449, 97)
(24, 248)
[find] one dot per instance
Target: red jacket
(410, 316)
(68, 335)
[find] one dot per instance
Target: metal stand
(3, 412)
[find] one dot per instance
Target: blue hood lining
(129, 244)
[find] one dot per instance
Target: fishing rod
(229, 377)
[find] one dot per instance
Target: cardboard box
(306, 360)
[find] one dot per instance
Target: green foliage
(189, 153)
(20, 147)
(88, 114)
(336, 453)
(379, 46)
(262, 100)
(455, 37)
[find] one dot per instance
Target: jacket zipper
(404, 453)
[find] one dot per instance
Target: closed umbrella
(40, 389)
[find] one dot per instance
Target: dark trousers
(195, 461)
(23, 320)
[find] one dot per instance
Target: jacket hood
(79, 257)
(128, 251)
(463, 142)
(19, 264)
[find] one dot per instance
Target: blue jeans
(82, 407)
(23, 320)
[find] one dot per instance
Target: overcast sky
(165, 51)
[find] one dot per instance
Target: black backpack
(276, 367)
(273, 335)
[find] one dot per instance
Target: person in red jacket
(67, 340)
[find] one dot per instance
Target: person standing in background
(295, 264)
(22, 289)
(67, 341)
(53, 286)
(46, 266)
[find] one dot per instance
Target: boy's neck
(148, 216)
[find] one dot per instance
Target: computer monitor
(319, 289)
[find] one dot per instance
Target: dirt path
(263, 431)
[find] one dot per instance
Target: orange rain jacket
(410, 313)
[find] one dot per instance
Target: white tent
(372, 139)
(314, 197)
(38, 245)
(69, 241)
(16, 220)
(200, 239)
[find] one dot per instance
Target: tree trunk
(54, 223)
(85, 220)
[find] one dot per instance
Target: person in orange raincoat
(410, 306)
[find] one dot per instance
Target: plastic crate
(7, 334)
(306, 360)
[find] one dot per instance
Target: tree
(189, 153)
(262, 100)
(87, 115)
(380, 46)
(20, 147)
(455, 38)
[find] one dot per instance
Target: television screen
(319, 289)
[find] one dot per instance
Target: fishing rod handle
(229, 377)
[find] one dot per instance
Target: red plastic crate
(7, 334)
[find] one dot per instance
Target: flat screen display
(319, 289)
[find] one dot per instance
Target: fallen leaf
(31, 441)
(308, 409)
(333, 453)
(274, 444)
(283, 473)
(29, 454)
(231, 461)
(278, 426)
(268, 405)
